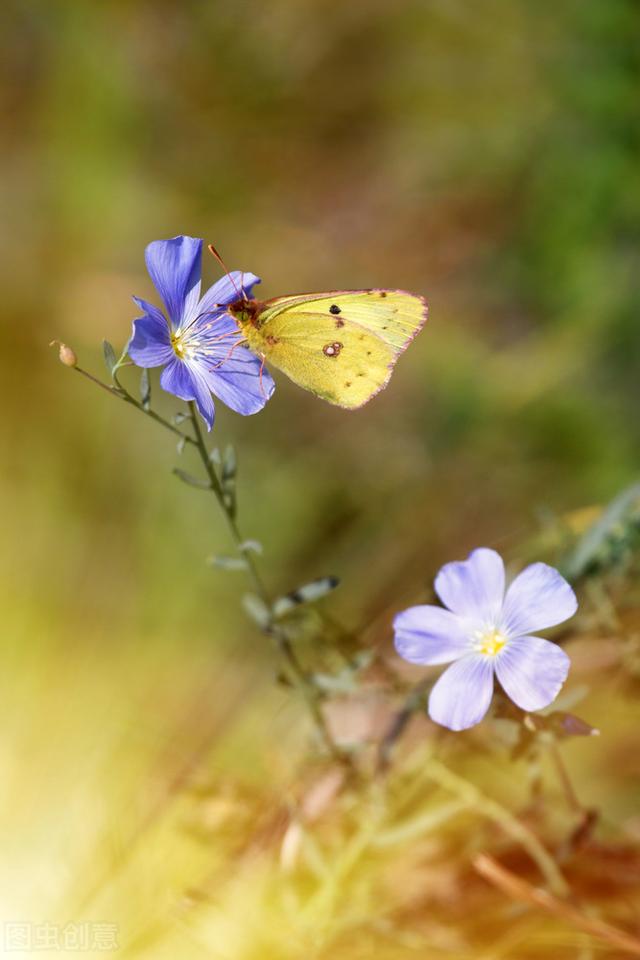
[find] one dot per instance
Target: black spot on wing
(334, 308)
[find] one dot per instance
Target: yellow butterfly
(341, 345)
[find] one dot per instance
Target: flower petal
(185, 380)
(241, 382)
(427, 635)
(473, 588)
(532, 671)
(176, 379)
(462, 695)
(174, 267)
(231, 371)
(228, 289)
(150, 344)
(538, 598)
(204, 400)
(151, 309)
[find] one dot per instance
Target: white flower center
(489, 642)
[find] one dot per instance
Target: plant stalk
(298, 675)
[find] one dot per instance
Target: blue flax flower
(485, 632)
(199, 343)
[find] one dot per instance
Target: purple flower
(485, 631)
(199, 345)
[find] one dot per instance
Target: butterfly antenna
(212, 250)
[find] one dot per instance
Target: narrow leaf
(228, 479)
(251, 546)
(602, 545)
(180, 445)
(145, 389)
(257, 610)
(228, 563)
(191, 480)
(229, 464)
(109, 354)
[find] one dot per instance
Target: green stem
(503, 817)
(300, 678)
(122, 394)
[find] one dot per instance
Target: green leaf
(346, 680)
(228, 479)
(229, 464)
(180, 445)
(605, 542)
(251, 546)
(191, 480)
(110, 359)
(227, 563)
(215, 457)
(145, 389)
(307, 593)
(257, 610)
(180, 417)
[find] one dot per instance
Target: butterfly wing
(394, 315)
(340, 345)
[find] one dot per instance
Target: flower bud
(65, 354)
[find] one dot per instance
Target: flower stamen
(181, 345)
(489, 642)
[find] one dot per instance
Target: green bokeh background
(484, 155)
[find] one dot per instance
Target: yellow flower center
(180, 346)
(490, 642)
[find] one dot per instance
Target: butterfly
(340, 345)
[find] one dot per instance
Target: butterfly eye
(334, 308)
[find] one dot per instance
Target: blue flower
(485, 632)
(199, 343)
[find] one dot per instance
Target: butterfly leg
(262, 390)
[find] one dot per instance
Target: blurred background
(483, 155)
